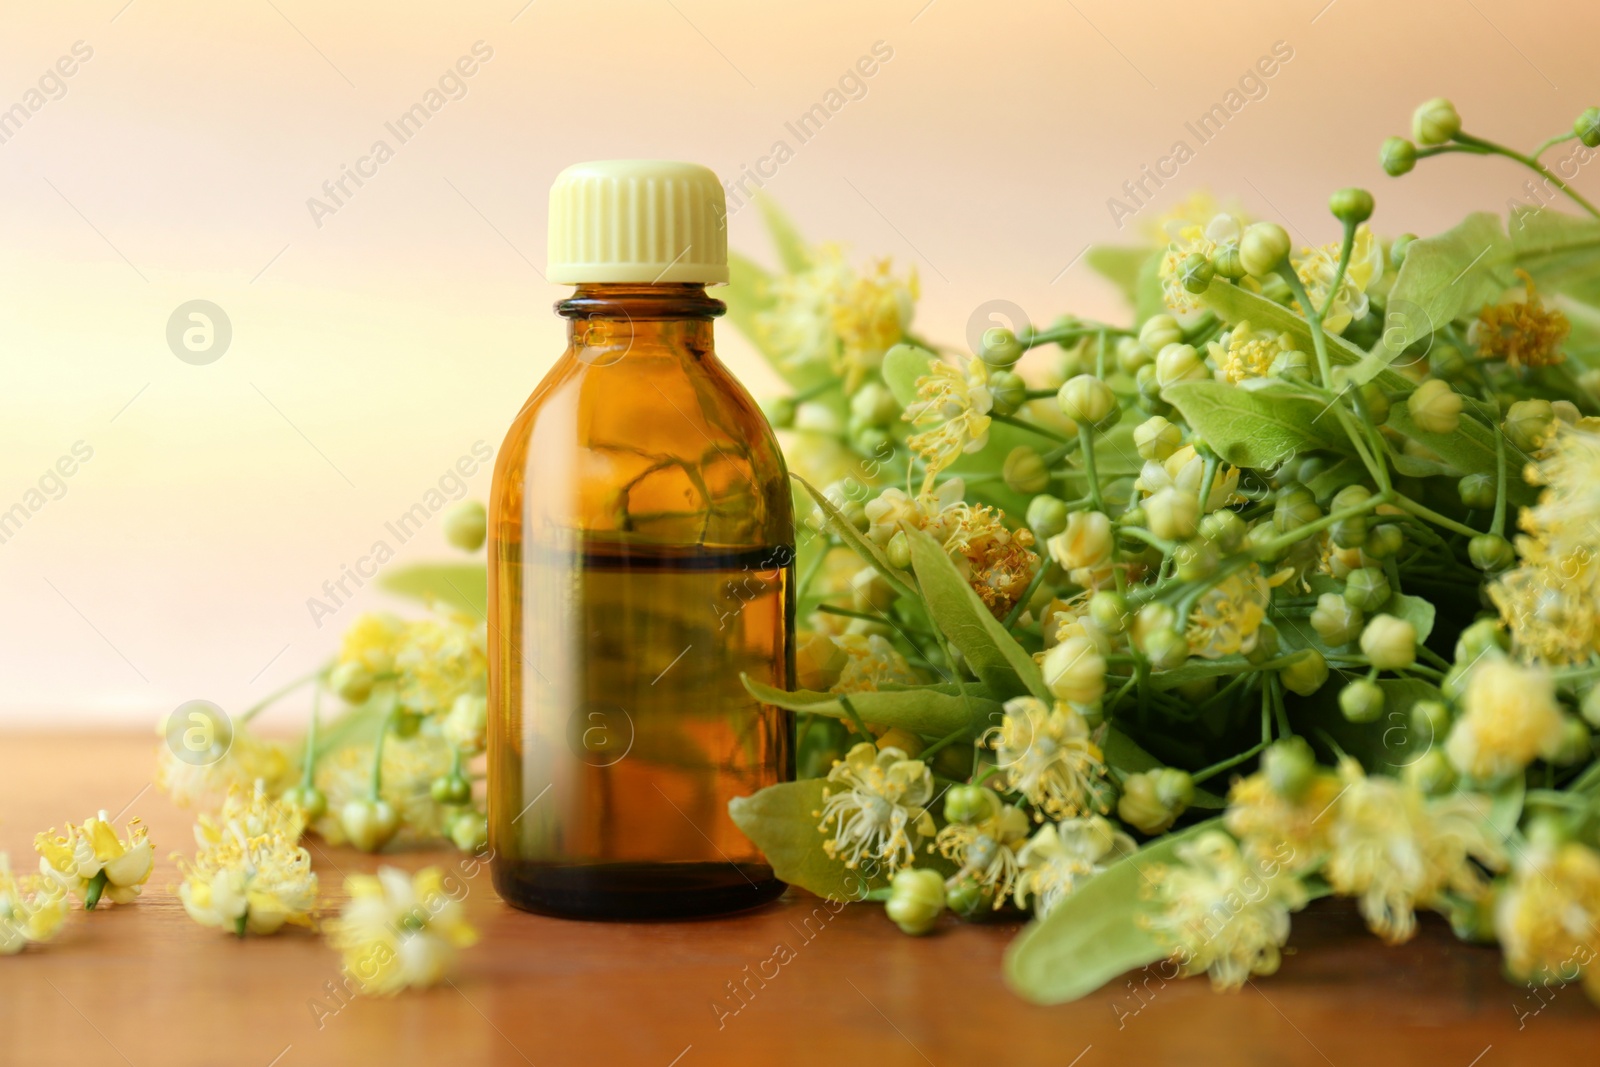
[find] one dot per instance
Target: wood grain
(143, 985)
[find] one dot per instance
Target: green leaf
(1443, 277)
(793, 252)
(1561, 251)
(1413, 609)
(1148, 299)
(749, 295)
(1469, 450)
(1235, 304)
(898, 579)
(1505, 807)
(464, 586)
(782, 821)
(1386, 746)
(992, 653)
(1121, 266)
(930, 710)
(902, 366)
(1255, 427)
(1096, 933)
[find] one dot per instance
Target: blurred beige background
(374, 344)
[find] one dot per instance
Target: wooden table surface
(145, 986)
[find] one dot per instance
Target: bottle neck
(604, 315)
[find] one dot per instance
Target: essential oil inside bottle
(642, 549)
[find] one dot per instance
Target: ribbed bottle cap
(638, 220)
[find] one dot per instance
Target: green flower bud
(1389, 643)
(1166, 649)
(1377, 402)
(309, 799)
(1293, 364)
(1225, 529)
(465, 525)
(369, 824)
(1479, 639)
(1491, 552)
(1446, 361)
(1008, 392)
(351, 681)
(1529, 422)
(469, 831)
(1477, 490)
(1290, 767)
(968, 803)
(1258, 540)
(1575, 744)
(1131, 355)
(406, 723)
(1173, 513)
(1435, 122)
(1385, 541)
(451, 789)
(1432, 773)
(1109, 610)
(916, 899)
(1587, 127)
(1397, 250)
(1148, 382)
(1000, 347)
(1590, 707)
(1431, 719)
(1351, 206)
(1295, 508)
(1397, 156)
(1435, 407)
(1195, 272)
(1266, 646)
(1024, 470)
(967, 898)
(1263, 246)
(780, 412)
(899, 549)
(874, 405)
(872, 441)
(1349, 533)
(1350, 496)
(1336, 620)
(1179, 363)
(871, 591)
(1159, 331)
(1361, 701)
(1195, 559)
(1226, 262)
(1306, 674)
(1047, 516)
(1088, 400)
(1152, 800)
(1156, 438)
(1366, 588)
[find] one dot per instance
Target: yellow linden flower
(410, 764)
(400, 932)
(879, 809)
(441, 659)
(1397, 850)
(250, 874)
(1317, 266)
(871, 662)
(372, 641)
(1227, 620)
(1510, 717)
(871, 317)
(987, 850)
(249, 759)
(1187, 238)
(1547, 916)
(1061, 856)
(1046, 755)
(32, 909)
(956, 402)
(1522, 332)
(1246, 352)
(1551, 602)
(91, 862)
(1272, 828)
(1196, 209)
(1220, 913)
(1185, 470)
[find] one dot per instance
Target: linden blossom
(452, 86)
(1252, 85)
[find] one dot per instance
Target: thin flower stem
(375, 791)
(1338, 275)
(1422, 512)
(855, 719)
(1532, 164)
(273, 697)
(1228, 764)
(1022, 602)
(307, 776)
(1086, 446)
(1559, 138)
(933, 749)
(1024, 424)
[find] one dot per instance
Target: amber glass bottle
(641, 558)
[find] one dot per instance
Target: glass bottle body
(641, 560)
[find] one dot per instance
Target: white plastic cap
(638, 221)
